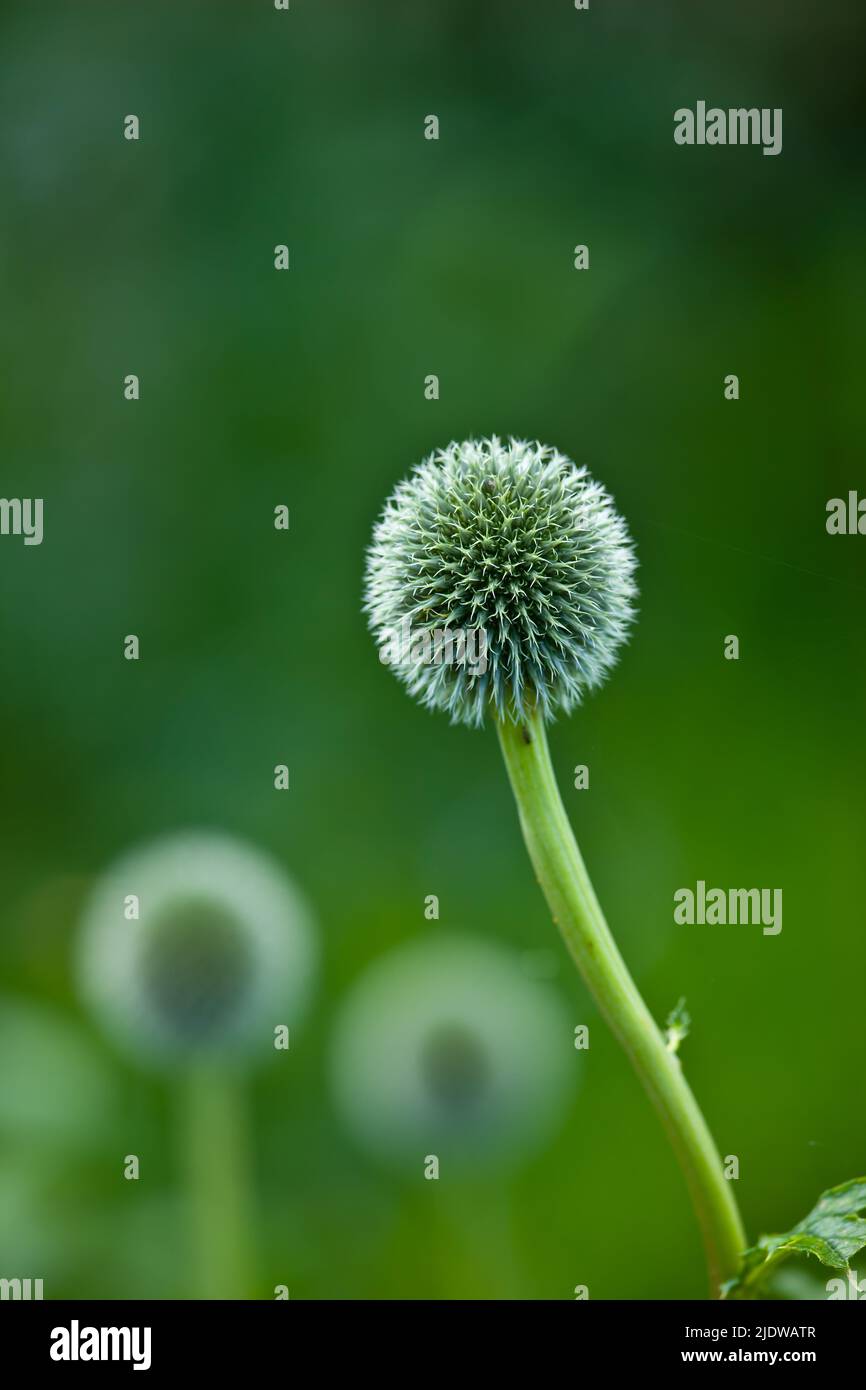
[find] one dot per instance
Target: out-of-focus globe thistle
(222, 953)
(446, 1047)
(60, 1090)
(512, 541)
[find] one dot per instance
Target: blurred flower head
(515, 542)
(221, 953)
(56, 1095)
(447, 1047)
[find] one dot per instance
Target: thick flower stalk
(522, 559)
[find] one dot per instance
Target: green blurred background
(411, 257)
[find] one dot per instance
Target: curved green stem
(219, 1192)
(565, 882)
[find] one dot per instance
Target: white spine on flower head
(222, 950)
(518, 549)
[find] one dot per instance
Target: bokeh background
(411, 257)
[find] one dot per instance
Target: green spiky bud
(517, 548)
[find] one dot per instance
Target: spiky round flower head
(517, 548)
(446, 1046)
(221, 952)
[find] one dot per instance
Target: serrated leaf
(833, 1232)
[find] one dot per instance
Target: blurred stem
(566, 885)
(217, 1155)
(482, 1230)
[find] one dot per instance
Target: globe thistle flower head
(58, 1096)
(518, 549)
(446, 1046)
(220, 953)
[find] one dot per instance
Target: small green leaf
(834, 1231)
(677, 1027)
